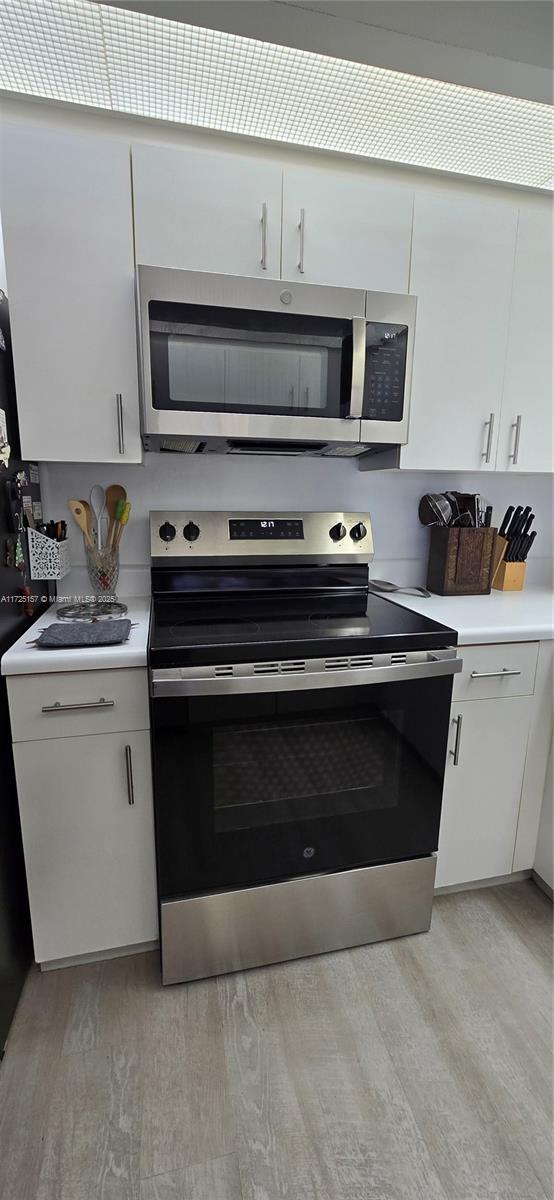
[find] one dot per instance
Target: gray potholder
(68, 634)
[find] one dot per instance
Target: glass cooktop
(179, 636)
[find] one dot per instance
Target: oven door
(260, 778)
(234, 358)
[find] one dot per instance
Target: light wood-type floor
(418, 1069)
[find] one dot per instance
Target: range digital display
(265, 528)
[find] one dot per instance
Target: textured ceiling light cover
(83, 53)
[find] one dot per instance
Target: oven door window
(256, 788)
(232, 360)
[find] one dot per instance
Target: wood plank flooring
(419, 1069)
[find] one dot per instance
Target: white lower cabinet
(88, 835)
(482, 789)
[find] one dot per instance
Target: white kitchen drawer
(491, 672)
(97, 702)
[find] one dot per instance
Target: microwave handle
(359, 325)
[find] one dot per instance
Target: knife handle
(506, 521)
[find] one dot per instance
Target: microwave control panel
(385, 371)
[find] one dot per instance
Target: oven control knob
(337, 532)
(191, 531)
(167, 531)
(358, 532)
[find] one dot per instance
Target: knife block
(460, 561)
(510, 577)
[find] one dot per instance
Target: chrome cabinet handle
(515, 452)
(488, 451)
(129, 769)
(263, 223)
(456, 751)
(301, 227)
(493, 674)
(120, 429)
(58, 707)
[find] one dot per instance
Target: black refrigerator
(15, 928)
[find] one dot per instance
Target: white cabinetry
(462, 264)
(205, 211)
(482, 789)
(85, 799)
(526, 427)
(346, 230)
(495, 708)
(67, 223)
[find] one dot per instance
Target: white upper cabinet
(67, 222)
(343, 229)
(525, 442)
(205, 211)
(462, 265)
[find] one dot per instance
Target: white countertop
(24, 659)
(501, 617)
(526, 616)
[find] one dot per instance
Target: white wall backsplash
(259, 485)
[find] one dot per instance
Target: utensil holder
(103, 571)
(460, 561)
(48, 559)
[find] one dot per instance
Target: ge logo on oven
(308, 852)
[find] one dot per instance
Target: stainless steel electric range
(299, 736)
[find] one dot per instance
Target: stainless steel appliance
(299, 737)
(233, 365)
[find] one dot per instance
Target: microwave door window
(196, 372)
(235, 361)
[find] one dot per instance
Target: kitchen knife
(488, 516)
(506, 521)
(519, 524)
(528, 522)
(528, 543)
(510, 531)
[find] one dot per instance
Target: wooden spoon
(78, 512)
(88, 513)
(114, 493)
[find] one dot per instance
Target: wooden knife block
(460, 561)
(506, 576)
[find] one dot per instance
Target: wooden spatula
(114, 493)
(78, 512)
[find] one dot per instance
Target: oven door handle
(359, 326)
(177, 682)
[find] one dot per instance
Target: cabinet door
(206, 212)
(89, 852)
(527, 399)
(353, 233)
(482, 789)
(67, 221)
(462, 263)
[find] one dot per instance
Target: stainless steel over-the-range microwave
(234, 365)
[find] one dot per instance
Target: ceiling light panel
(85, 53)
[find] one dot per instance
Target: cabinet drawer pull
(60, 708)
(456, 751)
(515, 452)
(301, 225)
(263, 223)
(129, 768)
(493, 674)
(120, 429)
(488, 451)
